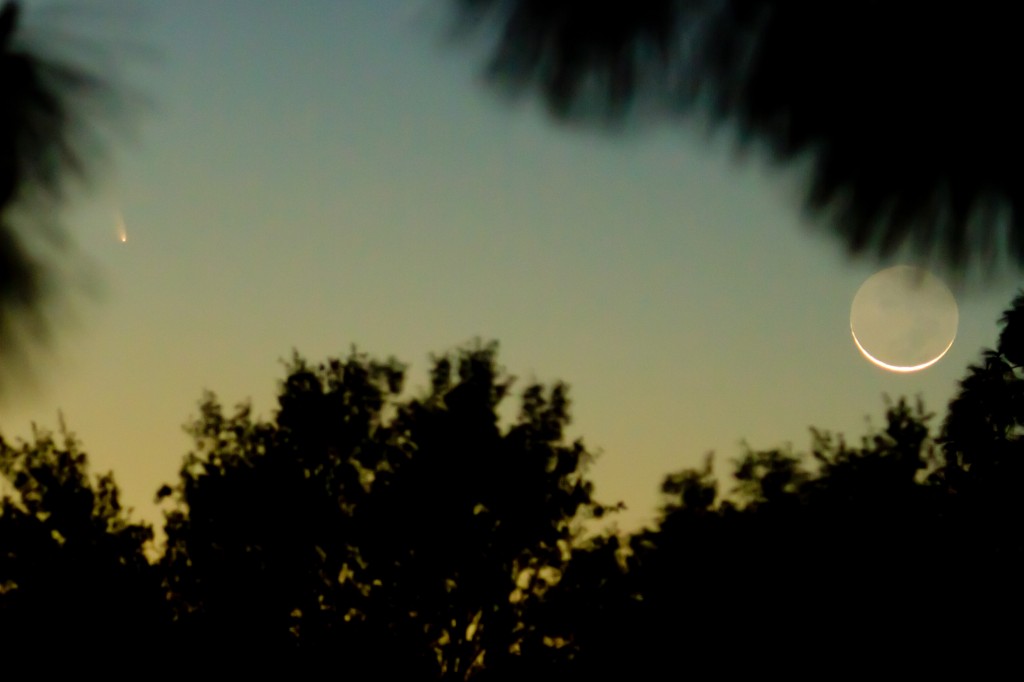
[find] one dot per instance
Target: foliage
(982, 433)
(73, 570)
(862, 551)
(417, 536)
(408, 533)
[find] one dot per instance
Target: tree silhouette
(905, 112)
(74, 577)
(984, 458)
(419, 536)
(844, 554)
(409, 534)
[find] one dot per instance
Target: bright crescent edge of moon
(899, 368)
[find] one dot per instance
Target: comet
(122, 232)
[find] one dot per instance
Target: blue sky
(315, 175)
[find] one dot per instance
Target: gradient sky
(312, 175)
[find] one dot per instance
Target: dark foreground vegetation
(419, 538)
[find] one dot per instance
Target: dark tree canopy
(983, 434)
(73, 571)
(408, 533)
(906, 111)
(418, 536)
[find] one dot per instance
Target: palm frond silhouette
(50, 112)
(906, 112)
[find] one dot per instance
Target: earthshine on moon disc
(903, 319)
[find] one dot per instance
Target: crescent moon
(898, 368)
(906, 316)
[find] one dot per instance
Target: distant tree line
(416, 537)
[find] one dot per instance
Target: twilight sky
(312, 175)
